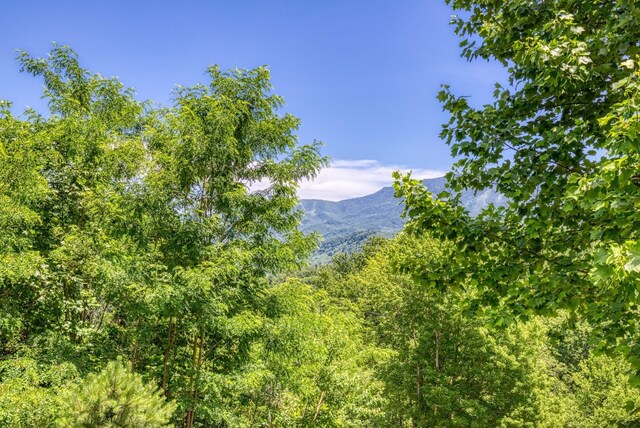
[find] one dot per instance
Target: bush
(29, 391)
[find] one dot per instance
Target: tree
(561, 143)
(311, 366)
(144, 232)
(216, 237)
(444, 369)
(65, 269)
(115, 397)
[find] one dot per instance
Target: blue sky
(362, 75)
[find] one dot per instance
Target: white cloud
(358, 163)
(345, 179)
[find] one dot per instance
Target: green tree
(29, 391)
(216, 238)
(560, 141)
(21, 189)
(55, 170)
(143, 232)
(446, 369)
(311, 366)
(115, 397)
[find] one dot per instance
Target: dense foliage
(561, 143)
(134, 231)
(438, 367)
(152, 263)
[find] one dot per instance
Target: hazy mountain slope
(346, 224)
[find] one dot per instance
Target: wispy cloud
(345, 179)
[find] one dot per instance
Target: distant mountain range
(347, 224)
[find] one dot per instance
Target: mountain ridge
(345, 225)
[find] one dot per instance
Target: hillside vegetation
(346, 225)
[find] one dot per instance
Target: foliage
(115, 397)
(560, 142)
(29, 392)
(311, 366)
(446, 369)
(137, 231)
(443, 368)
(170, 238)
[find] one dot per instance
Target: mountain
(346, 225)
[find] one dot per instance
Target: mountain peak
(346, 224)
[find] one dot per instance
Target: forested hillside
(346, 225)
(144, 282)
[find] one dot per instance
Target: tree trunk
(318, 406)
(437, 349)
(418, 371)
(188, 423)
(198, 359)
(167, 353)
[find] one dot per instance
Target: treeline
(355, 343)
(437, 366)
